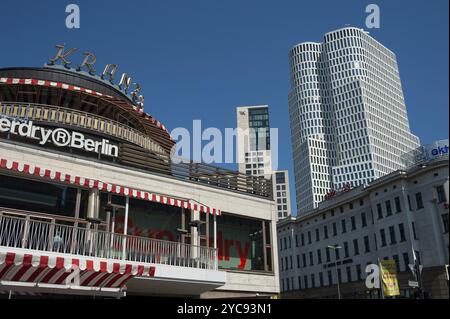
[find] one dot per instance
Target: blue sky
(199, 59)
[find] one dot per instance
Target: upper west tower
(348, 117)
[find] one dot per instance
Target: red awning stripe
(112, 188)
(69, 87)
(19, 267)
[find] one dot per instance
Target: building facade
(282, 193)
(91, 202)
(387, 219)
(255, 155)
(253, 140)
(348, 117)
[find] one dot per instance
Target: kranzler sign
(389, 278)
(59, 137)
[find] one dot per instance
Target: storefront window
(240, 243)
(145, 219)
(33, 196)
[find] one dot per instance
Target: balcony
(48, 234)
(50, 246)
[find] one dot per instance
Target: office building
(282, 193)
(254, 153)
(349, 123)
(253, 140)
(390, 217)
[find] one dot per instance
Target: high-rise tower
(253, 140)
(254, 152)
(348, 116)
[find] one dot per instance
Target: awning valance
(44, 271)
(59, 176)
(70, 87)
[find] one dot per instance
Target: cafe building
(92, 204)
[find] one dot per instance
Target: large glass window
(366, 244)
(419, 200)
(146, 219)
(445, 222)
(363, 220)
(243, 243)
(383, 237)
(280, 178)
(398, 206)
(380, 211)
(388, 208)
(259, 129)
(441, 194)
(34, 196)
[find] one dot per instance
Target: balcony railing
(31, 233)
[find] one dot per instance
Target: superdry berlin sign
(59, 137)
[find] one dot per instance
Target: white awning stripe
(19, 267)
(59, 176)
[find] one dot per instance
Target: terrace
(64, 235)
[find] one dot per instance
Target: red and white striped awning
(43, 270)
(70, 87)
(58, 176)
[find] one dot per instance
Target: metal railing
(33, 234)
(191, 171)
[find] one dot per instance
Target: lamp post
(335, 248)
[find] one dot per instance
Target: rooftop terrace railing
(195, 172)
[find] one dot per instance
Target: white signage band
(59, 137)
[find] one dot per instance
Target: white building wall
(430, 239)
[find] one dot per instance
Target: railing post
(77, 215)
(25, 232)
(51, 234)
(124, 247)
(215, 244)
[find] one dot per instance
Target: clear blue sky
(199, 59)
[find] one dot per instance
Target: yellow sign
(389, 278)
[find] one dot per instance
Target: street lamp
(335, 248)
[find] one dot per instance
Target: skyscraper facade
(255, 155)
(282, 193)
(348, 117)
(253, 140)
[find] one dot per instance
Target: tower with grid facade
(348, 117)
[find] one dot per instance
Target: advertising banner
(389, 278)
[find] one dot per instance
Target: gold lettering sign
(87, 63)
(125, 81)
(60, 55)
(109, 71)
